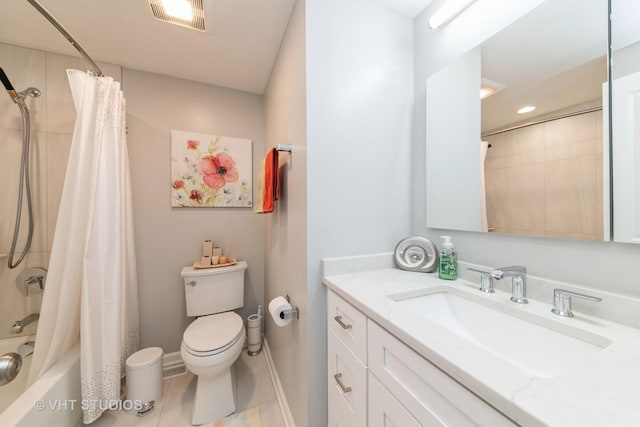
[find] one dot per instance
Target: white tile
(253, 382)
(571, 194)
(24, 68)
(10, 178)
(254, 387)
(525, 199)
(525, 146)
(270, 414)
(14, 305)
(176, 410)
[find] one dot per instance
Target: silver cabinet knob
(191, 283)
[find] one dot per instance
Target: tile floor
(254, 388)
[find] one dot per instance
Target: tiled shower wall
(546, 179)
(52, 120)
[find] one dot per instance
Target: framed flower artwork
(210, 170)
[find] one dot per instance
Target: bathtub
(53, 400)
(9, 392)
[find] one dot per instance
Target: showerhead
(7, 84)
(30, 91)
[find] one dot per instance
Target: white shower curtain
(484, 147)
(91, 291)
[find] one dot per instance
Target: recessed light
(486, 92)
(186, 13)
(180, 9)
(527, 109)
(489, 87)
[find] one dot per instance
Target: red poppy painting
(210, 170)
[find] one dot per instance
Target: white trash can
(144, 379)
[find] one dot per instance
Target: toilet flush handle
(192, 283)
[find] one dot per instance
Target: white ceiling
(237, 50)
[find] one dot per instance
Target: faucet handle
(562, 301)
(486, 280)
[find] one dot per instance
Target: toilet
(213, 342)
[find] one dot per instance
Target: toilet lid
(212, 332)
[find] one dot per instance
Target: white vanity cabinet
(386, 383)
(346, 364)
(384, 409)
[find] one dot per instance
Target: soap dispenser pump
(448, 266)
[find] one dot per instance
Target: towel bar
(284, 147)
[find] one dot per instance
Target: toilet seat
(213, 334)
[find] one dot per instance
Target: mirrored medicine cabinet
(551, 171)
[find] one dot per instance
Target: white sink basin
(538, 349)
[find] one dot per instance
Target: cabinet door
(347, 383)
(428, 393)
(336, 417)
(384, 409)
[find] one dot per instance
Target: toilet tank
(213, 290)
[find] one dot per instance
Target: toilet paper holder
(294, 313)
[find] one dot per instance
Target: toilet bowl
(210, 346)
(214, 341)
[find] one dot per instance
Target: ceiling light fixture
(180, 9)
(186, 13)
(489, 87)
(527, 109)
(486, 92)
(447, 12)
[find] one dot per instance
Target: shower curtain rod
(44, 12)
(540, 121)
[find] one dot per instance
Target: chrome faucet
(486, 280)
(19, 325)
(518, 276)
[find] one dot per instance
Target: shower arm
(44, 12)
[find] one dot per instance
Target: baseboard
(277, 385)
(172, 365)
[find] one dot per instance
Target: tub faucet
(518, 276)
(19, 325)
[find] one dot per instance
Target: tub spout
(18, 325)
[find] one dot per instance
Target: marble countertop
(601, 391)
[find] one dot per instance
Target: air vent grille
(197, 23)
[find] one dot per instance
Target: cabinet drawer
(349, 324)
(429, 394)
(346, 383)
(384, 409)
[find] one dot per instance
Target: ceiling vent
(186, 13)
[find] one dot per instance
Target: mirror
(540, 173)
(625, 108)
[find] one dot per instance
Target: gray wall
(348, 191)
(602, 265)
(168, 239)
(286, 227)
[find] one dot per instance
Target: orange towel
(269, 185)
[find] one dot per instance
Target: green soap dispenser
(448, 265)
